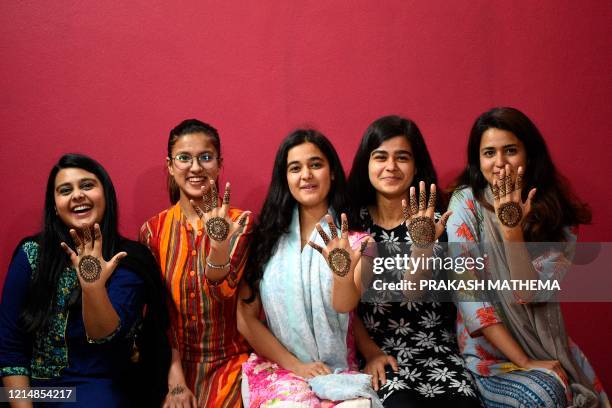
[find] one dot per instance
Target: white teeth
(81, 208)
(195, 179)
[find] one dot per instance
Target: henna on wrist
(177, 389)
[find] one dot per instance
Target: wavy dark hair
(150, 372)
(275, 215)
(187, 127)
(554, 206)
(360, 190)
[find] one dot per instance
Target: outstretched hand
(340, 257)
(507, 200)
(218, 225)
(92, 269)
(423, 230)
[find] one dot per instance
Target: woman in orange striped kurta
(201, 273)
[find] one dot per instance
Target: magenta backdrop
(110, 80)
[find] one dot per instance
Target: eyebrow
(310, 159)
(80, 181)
(395, 152)
(503, 147)
(197, 154)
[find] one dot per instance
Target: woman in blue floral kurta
(63, 324)
(517, 347)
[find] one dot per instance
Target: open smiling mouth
(196, 180)
(82, 209)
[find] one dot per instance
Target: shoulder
(150, 230)
(28, 247)
(461, 194)
(156, 219)
(23, 264)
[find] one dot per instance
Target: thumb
(529, 200)
(393, 363)
(73, 256)
(116, 259)
(244, 218)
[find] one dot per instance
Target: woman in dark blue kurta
(45, 340)
(61, 356)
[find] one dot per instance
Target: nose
(390, 164)
(306, 173)
(78, 194)
(195, 162)
(500, 160)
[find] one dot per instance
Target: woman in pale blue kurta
(509, 167)
(311, 339)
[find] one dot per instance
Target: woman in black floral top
(409, 346)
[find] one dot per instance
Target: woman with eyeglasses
(81, 303)
(200, 244)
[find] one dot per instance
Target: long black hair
(187, 127)
(51, 257)
(360, 190)
(554, 206)
(276, 213)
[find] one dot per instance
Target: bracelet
(217, 266)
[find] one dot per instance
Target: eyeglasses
(184, 161)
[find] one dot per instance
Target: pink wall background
(110, 80)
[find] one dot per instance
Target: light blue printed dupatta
(296, 296)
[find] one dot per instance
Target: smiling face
(391, 167)
(190, 178)
(308, 175)
(497, 148)
(79, 197)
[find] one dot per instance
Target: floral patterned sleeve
(463, 227)
(15, 344)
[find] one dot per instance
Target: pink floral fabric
(270, 384)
